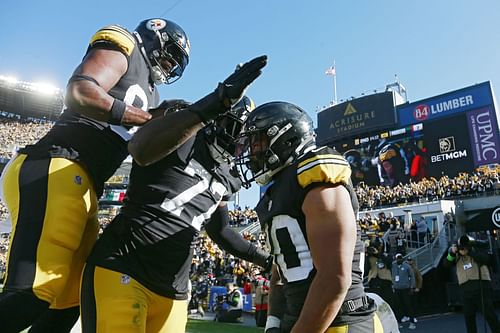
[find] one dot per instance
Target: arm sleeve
(218, 230)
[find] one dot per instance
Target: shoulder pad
(116, 35)
(323, 165)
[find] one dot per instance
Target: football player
(308, 211)
(136, 278)
(51, 189)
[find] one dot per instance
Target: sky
(433, 46)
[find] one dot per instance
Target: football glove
(230, 91)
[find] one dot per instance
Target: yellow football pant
(114, 302)
(53, 208)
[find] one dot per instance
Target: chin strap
(156, 75)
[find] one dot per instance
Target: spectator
(261, 301)
(475, 284)
(403, 281)
(419, 281)
(421, 231)
(379, 274)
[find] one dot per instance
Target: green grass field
(203, 326)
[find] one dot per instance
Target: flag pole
(335, 84)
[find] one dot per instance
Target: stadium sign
(356, 116)
(495, 217)
(483, 130)
(462, 100)
(448, 146)
(483, 219)
(448, 150)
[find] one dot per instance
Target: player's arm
(161, 136)
(331, 232)
(87, 91)
(231, 241)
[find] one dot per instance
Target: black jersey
(99, 146)
(280, 212)
(165, 206)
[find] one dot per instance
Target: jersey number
(177, 204)
(292, 252)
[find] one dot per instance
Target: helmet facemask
(222, 135)
(171, 53)
(275, 136)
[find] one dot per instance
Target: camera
(468, 242)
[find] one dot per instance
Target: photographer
(234, 310)
(474, 282)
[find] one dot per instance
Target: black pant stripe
(87, 300)
(33, 186)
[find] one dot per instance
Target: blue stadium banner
(444, 105)
(356, 116)
(218, 290)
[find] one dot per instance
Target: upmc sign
(465, 99)
(483, 131)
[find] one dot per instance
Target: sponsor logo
(447, 145)
(398, 132)
(486, 142)
(349, 110)
(125, 279)
(417, 127)
(448, 150)
(495, 217)
(352, 119)
(423, 111)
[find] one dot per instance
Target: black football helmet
(273, 137)
(163, 41)
(222, 134)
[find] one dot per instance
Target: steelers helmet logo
(156, 24)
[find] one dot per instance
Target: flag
(331, 71)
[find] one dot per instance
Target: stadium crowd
(16, 133)
(482, 181)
